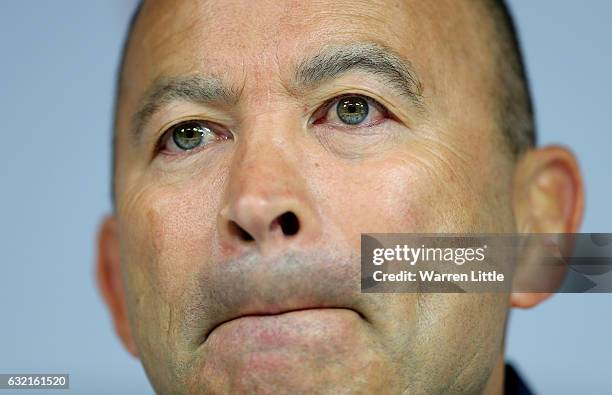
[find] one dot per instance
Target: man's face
(302, 125)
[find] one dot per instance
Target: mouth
(280, 312)
(276, 294)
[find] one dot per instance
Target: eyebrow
(333, 61)
(329, 63)
(193, 88)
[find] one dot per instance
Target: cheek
(168, 231)
(395, 195)
(459, 330)
(428, 188)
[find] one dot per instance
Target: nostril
(289, 223)
(237, 230)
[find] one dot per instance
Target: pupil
(352, 110)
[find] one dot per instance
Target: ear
(108, 275)
(548, 197)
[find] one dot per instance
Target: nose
(268, 204)
(267, 221)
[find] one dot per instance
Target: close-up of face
(256, 141)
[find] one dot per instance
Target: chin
(305, 352)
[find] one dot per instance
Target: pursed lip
(253, 285)
(258, 286)
(277, 310)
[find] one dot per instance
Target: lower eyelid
(370, 129)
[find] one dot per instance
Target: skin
(210, 312)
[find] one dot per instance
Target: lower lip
(268, 348)
(290, 329)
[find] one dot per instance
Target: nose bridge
(267, 205)
(263, 164)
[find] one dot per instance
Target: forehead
(260, 32)
(254, 47)
(260, 36)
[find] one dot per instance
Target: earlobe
(548, 197)
(527, 300)
(108, 276)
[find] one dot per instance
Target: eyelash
(332, 104)
(221, 133)
(317, 118)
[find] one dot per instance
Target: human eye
(191, 135)
(351, 110)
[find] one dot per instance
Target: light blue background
(56, 81)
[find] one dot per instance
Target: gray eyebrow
(333, 61)
(195, 88)
(329, 63)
